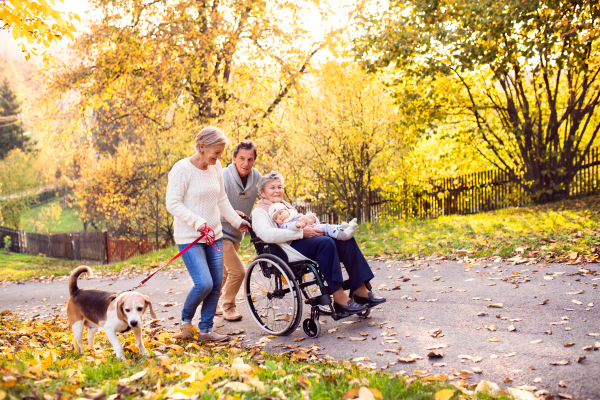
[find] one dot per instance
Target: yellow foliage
(38, 23)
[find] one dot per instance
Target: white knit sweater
(196, 197)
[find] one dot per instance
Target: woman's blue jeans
(205, 266)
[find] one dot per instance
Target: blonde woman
(196, 197)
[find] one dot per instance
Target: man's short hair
(245, 145)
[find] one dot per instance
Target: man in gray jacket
(240, 179)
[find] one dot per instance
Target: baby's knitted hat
(276, 207)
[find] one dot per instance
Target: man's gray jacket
(241, 198)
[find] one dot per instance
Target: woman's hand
(309, 232)
(307, 219)
(241, 214)
(201, 228)
(245, 226)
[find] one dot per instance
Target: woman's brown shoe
(213, 337)
(186, 333)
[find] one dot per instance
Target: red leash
(207, 233)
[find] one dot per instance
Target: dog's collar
(126, 329)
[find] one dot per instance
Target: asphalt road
(445, 296)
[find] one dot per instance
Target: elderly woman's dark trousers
(328, 253)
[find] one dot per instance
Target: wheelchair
(275, 290)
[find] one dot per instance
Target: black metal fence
(465, 194)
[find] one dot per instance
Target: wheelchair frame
(288, 278)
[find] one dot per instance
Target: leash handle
(209, 236)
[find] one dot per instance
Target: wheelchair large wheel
(273, 296)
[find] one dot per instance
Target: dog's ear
(149, 304)
(120, 314)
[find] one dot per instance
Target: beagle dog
(115, 312)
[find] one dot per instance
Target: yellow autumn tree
(38, 24)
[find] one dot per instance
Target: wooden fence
(94, 246)
(465, 194)
(119, 250)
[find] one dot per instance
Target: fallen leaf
(436, 333)
(536, 341)
(510, 354)
(477, 370)
(299, 339)
(238, 387)
(493, 339)
(545, 301)
(444, 394)
(548, 332)
(507, 379)
(561, 362)
(332, 330)
(511, 328)
(406, 359)
(578, 292)
(363, 333)
(569, 344)
(357, 339)
(439, 364)
(580, 359)
(496, 305)
(482, 314)
(125, 390)
(565, 396)
(537, 380)
(491, 327)
(435, 354)
(576, 302)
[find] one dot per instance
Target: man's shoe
(186, 333)
(351, 308)
(370, 300)
(213, 337)
(232, 315)
(219, 310)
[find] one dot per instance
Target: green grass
(16, 267)
(552, 231)
(38, 360)
(69, 219)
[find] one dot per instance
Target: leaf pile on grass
(566, 231)
(38, 361)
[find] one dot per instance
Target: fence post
(105, 247)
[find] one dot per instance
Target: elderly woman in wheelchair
(292, 265)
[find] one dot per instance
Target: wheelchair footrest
(322, 300)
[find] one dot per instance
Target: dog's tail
(75, 275)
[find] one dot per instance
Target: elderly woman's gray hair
(271, 176)
(210, 136)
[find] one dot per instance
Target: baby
(289, 219)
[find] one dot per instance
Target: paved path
(444, 296)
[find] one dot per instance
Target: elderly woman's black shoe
(351, 308)
(370, 300)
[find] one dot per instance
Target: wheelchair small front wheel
(311, 327)
(365, 313)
